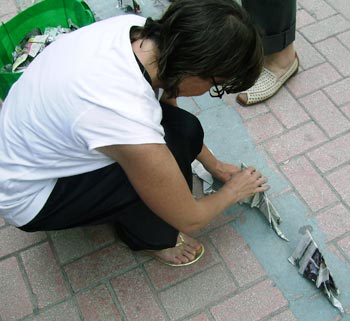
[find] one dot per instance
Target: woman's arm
(220, 170)
(156, 177)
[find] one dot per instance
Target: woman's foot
(278, 68)
(186, 252)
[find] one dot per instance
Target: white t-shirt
(83, 91)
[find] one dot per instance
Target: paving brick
(44, 275)
(312, 79)
(336, 53)
(345, 38)
(2, 222)
(332, 154)
(304, 178)
(323, 111)
(263, 127)
(340, 181)
(308, 55)
(334, 222)
(339, 92)
(71, 244)
(237, 255)
(345, 245)
(136, 297)
(162, 275)
(97, 305)
(100, 235)
(15, 300)
(304, 18)
(62, 312)
(284, 316)
(8, 9)
(346, 110)
(287, 109)
(254, 304)
(196, 292)
(98, 265)
(295, 142)
(319, 9)
(12, 239)
(325, 28)
(342, 6)
(246, 112)
(201, 317)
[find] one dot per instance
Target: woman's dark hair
(205, 38)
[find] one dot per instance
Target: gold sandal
(199, 254)
(267, 85)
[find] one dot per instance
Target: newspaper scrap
(313, 267)
(264, 205)
(208, 180)
(129, 6)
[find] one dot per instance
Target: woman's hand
(246, 183)
(224, 171)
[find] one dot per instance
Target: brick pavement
(300, 139)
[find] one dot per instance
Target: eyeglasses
(217, 91)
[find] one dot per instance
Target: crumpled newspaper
(208, 180)
(264, 205)
(313, 267)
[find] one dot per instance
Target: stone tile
(318, 9)
(12, 239)
(342, 6)
(71, 244)
(299, 171)
(287, 109)
(324, 112)
(340, 181)
(304, 18)
(162, 275)
(345, 38)
(136, 297)
(98, 265)
(44, 275)
(196, 292)
(245, 112)
(346, 110)
(284, 316)
(336, 54)
(201, 317)
(264, 127)
(62, 312)
(254, 304)
(15, 302)
(97, 305)
(334, 222)
(295, 142)
(325, 28)
(332, 154)
(308, 56)
(312, 79)
(345, 245)
(100, 235)
(8, 9)
(339, 92)
(237, 255)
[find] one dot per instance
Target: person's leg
(106, 196)
(277, 20)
